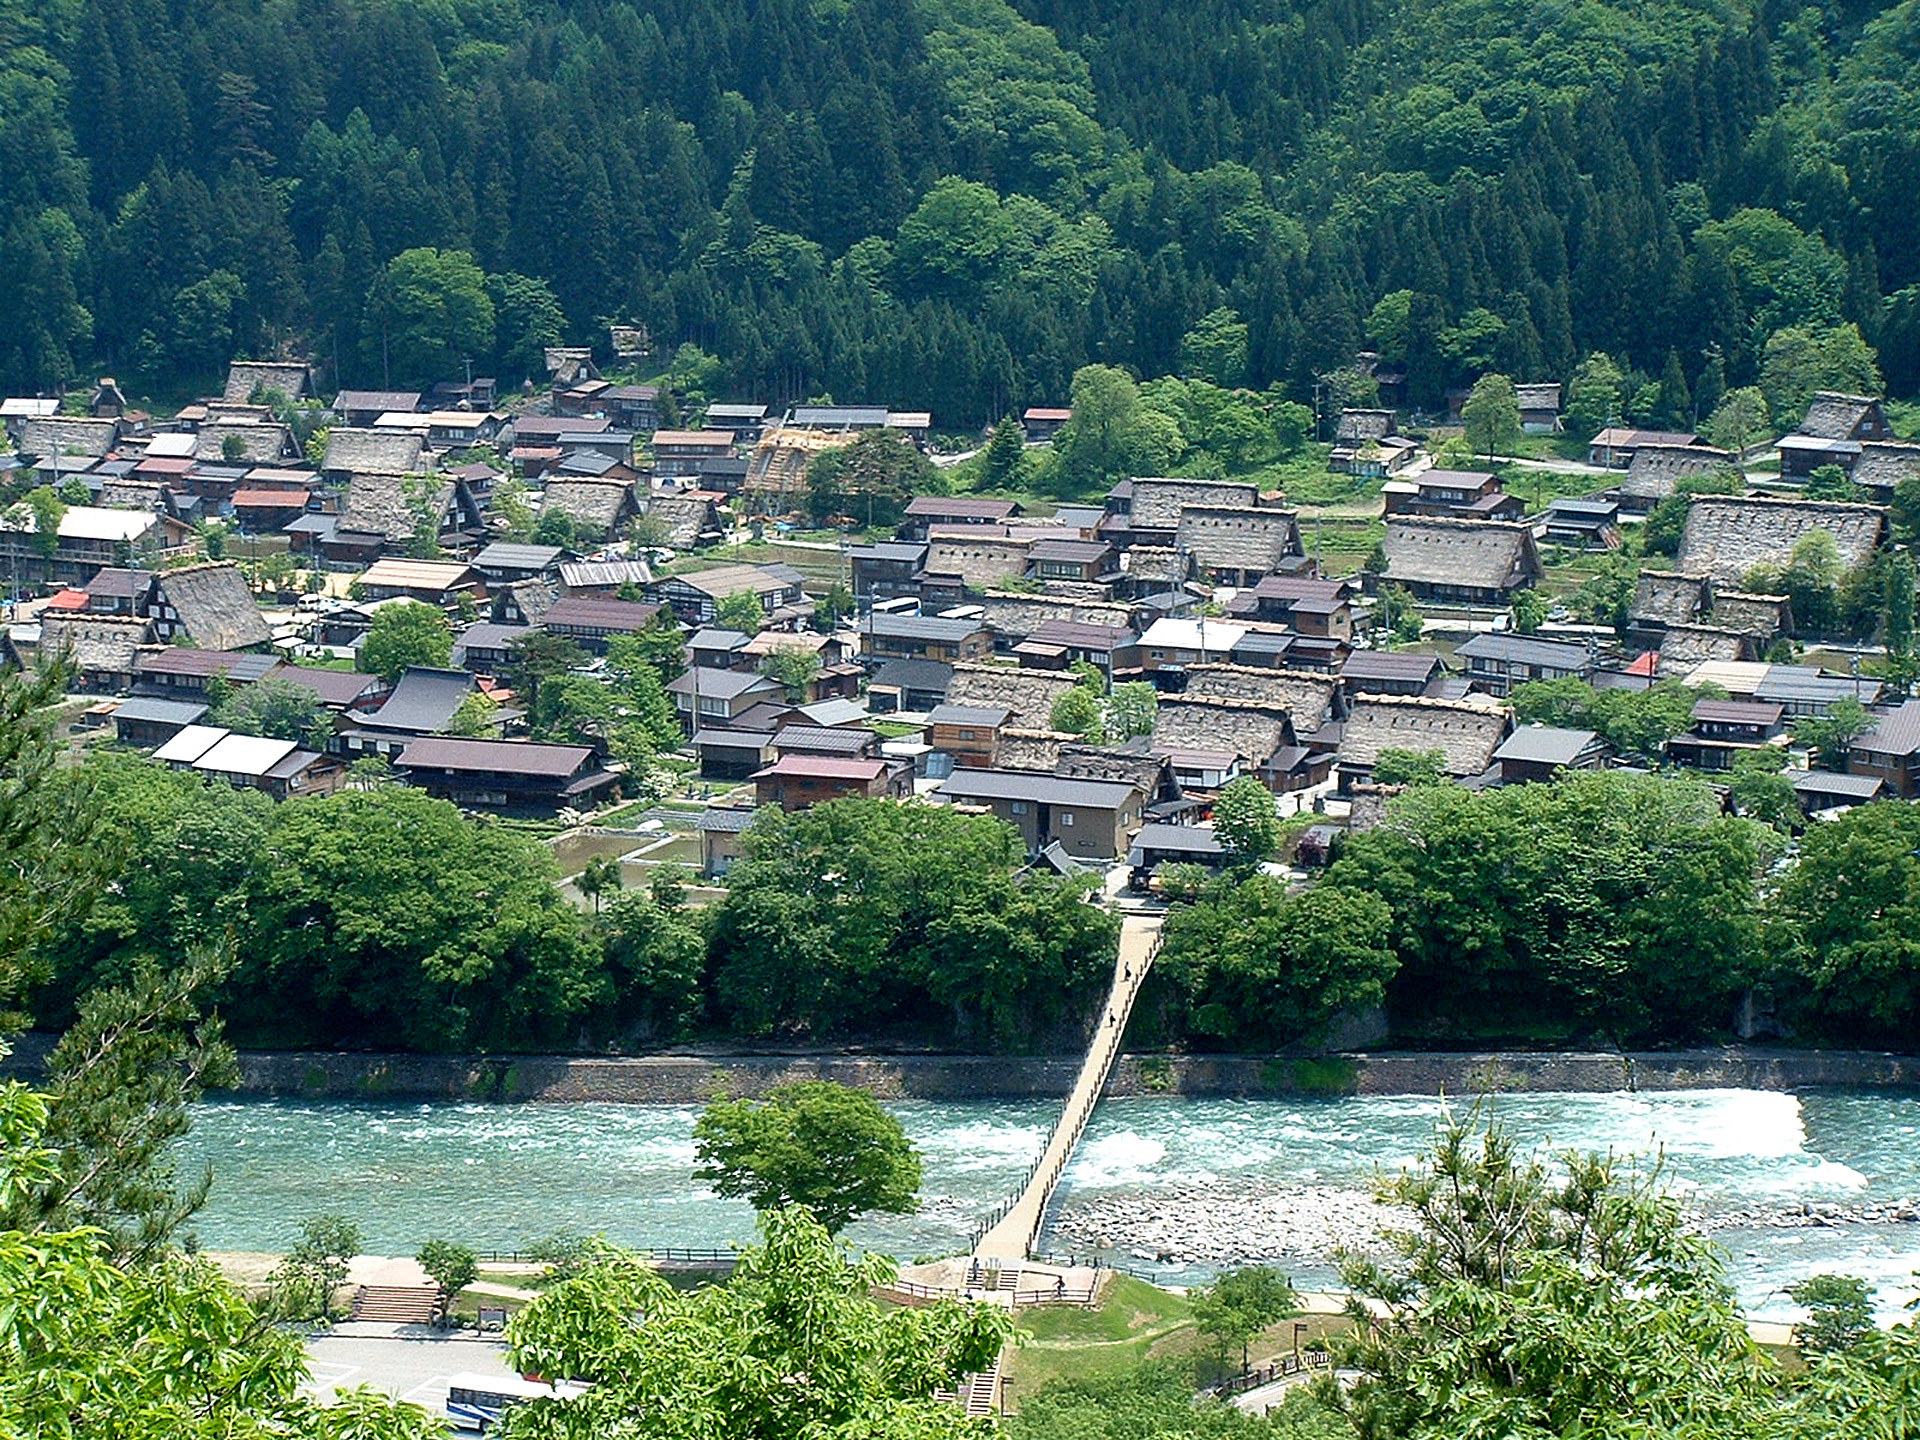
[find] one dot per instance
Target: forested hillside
(952, 204)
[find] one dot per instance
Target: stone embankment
(1242, 1224)
(695, 1079)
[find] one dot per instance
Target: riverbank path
(1012, 1236)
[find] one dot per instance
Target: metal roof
(1545, 745)
(919, 627)
(245, 754)
(509, 556)
(1525, 650)
(988, 715)
(1383, 665)
(1043, 789)
(190, 744)
(508, 757)
(158, 711)
(1897, 734)
(423, 700)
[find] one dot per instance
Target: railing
(668, 1254)
(1045, 1295)
(1297, 1362)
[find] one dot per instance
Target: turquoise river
(497, 1177)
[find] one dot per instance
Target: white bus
(475, 1402)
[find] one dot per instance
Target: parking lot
(398, 1362)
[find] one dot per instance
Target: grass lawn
(1134, 1321)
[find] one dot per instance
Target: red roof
(1644, 664)
(69, 600)
(823, 767)
(271, 499)
(164, 465)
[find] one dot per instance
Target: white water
(498, 1177)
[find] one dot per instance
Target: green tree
(794, 666)
(740, 611)
(1803, 359)
(870, 481)
(1839, 1313)
(656, 954)
(1741, 420)
(1667, 522)
(1215, 349)
(1520, 1300)
(1005, 457)
(1078, 712)
(1830, 482)
(791, 1347)
(1831, 735)
(475, 717)
(600, 875)
(428, 310)
(1239, 1304)
(527, 319)
(1529, 612)
(1491, 416)
(1131, 709)
(812, 1143)
(1111, 435)
(1593, 394)
(278, 709)
(1844, 925)
(511, 511)
(314, 1269)
(1410, 767)
(1758, 789)
(1251, 965)
(450, 1266)
(403, 634)
(1246, 820)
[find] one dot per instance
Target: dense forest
(953, 204)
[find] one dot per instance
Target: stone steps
(397, 1304)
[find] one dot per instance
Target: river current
(498, 1177)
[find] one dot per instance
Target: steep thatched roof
(386, 452)
(1027, 696)
(68, 435)
(533, 598)
(1656, 469)
(1306, 696)
(1667, 598)
(1249, 730)
(682, 518)
(1030, 749)
(1727, 536)
(1684, 646)
(981, 563)
(126, 493)
(1479, 554)
(1154, 564)
(1761, 616)
(1542, 395)
(1465, 735)
(1238, 539)
(1364, 425)
(778, 465)
(597, 505)
(1883, 464)
(1157, 502)
(244, 377)
(1019, 615)
(1139, 768)
(215, 608)
(255, 444)
(107, 644)
(1833, 416)
(379, 504)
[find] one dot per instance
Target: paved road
(406, 1366)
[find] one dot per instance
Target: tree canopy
(813, 1143)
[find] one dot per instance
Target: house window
(1018, 807)
(1066, 818)
(967, 735)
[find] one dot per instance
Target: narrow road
(1013, 1235)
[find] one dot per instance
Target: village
(1093, 674)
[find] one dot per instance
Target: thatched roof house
(103, 649)
(1665, 597)
(394, 506)
(1027, 696)
(251, 444)
(1482, 562)
(248, 378)
(1682, 647)
(1019, 749)
(1157, 502)
(1249, 730)
(1727, 536)
(385, 452)
(1358, 425)
(209, 606)
(599, 507)
(126, 493)
(1466, 735)
(1833, 416)
(1883, 465)
(1154, 566)
(1761, 616)
(1310, 698)
(683, 519)
(1240, 545)
(978, 564)
(42, 438)
(1656, 471)
(1017, 615)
